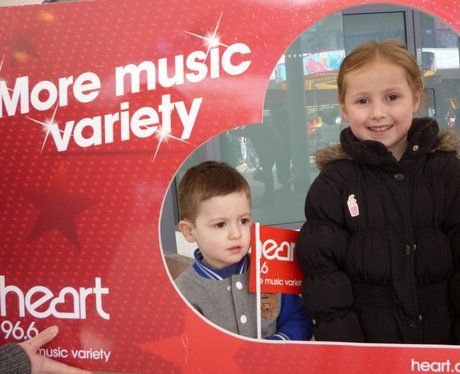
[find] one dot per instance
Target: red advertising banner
(273, 252)
(101, 102)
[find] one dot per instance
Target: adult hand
(42, 364)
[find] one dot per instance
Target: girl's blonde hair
(391, 51)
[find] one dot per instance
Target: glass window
(359, 28)
(439, 57)
(301, 112)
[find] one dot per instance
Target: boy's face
(379, 104)
(222, 229)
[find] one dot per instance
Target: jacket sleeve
(452, 228)
(13, 359)
(455, 283)
(321, 248)
(292, 323)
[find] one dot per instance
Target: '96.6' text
(17, 331)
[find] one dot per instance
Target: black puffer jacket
(380, 248)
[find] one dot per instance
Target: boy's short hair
(206, 180)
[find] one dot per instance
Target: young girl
(380, 247)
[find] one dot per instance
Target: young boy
(215, 210)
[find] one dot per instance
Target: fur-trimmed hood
(447, 140)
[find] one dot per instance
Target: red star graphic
(58, 208)
(22, 49)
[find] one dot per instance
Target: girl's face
(379, 104)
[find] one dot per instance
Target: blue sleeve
(292, 323)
